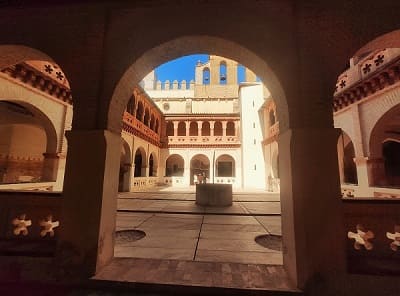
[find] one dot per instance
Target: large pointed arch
(185, 46)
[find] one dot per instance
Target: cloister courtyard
(193, 245)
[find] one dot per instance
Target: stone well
(217, 195)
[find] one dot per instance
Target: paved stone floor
(190, 245)
(176, 228)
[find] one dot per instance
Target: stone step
(129, 289)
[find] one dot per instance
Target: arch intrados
(127, 152)
(152, 154)
(51, 134)
(183, 46)
(346, 138)
(200, 157)
(142, 152)
(226, 156)
(377, 129)
(175, 156)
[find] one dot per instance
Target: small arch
(27, 133)
(199, 166)
(181, 128)
(125, 167)
(205, 129)
(157, 126)
(193, 129)
(347, 166)
(230, 128)
(146, 119)
(385, 130)
(225, 166)
(152, 122)
(130, 108)
(153, 165)
(140, 111)
(223, 73)
(391, 158)
(140, 162)
(218, 128)
(170, 128)
(206, 76)
(174, 165)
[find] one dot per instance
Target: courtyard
(176, 228)
(190, 245)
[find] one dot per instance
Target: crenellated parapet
(174, 85)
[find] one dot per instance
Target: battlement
(217, 71)
(175, 85)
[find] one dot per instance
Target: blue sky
(183, 68)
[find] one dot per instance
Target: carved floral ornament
(395, 244)
(341, 82)
(21, 225)
(48, 226)
(367, 68)
(363, 238)
(378, 60)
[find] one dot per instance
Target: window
(205, 128)
(193, 129)
(206, 76)
(181, 129)
(222, 73)
(218, 128)
(230, 128)
(170, 128)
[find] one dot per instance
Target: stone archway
(174, 165)
(383, 139)
(199, 169)
(225, 166)
(185, 46)
(140, 163)
(125, 168)
(23, 143)
(153, 165)
(26, 83)
(346, 156)
(298, 21)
